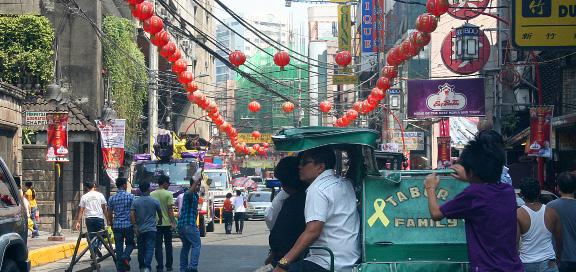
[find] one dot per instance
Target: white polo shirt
(331, 199)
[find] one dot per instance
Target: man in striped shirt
(119, 218)
(188, 230)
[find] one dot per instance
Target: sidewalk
(41, 251)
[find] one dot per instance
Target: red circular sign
(467, 9)
(468, 66)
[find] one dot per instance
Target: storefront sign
(464, 67)
(449, 97)
(414, 141)
(543, 24)
(467, 9)
(113, 134)
(35, 118)
(248, 139)
(372, 26)
(540, 130)
(57, 146)
(444, 152)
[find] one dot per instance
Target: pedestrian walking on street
(164, 231)
(285, 217)
(228, 213)
(239, 203)
(144, 212)
(534, 239)
(187, 228)
(30, 195)
(119, 206)
(561, 220)
(92, 209)
(487, 205)
(332, 219)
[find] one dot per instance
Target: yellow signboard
(344, 28)
(247, 138)
(544, 23)
(343, 1)
(344, 79)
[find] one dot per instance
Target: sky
(276, 7)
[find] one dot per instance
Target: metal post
(152, 95)
(57, 197)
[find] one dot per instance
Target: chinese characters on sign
(443, 98)
(113, 135)
(544, 23)
(57, 146)
(540, 129)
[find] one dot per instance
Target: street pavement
(220, 252)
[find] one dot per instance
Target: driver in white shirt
(332, 220)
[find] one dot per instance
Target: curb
(52, 254)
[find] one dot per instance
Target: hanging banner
(540, 129)
(447, 97)
(57, 146)
(372, 26)
(344, 28)
(444, 152)
(113, 135)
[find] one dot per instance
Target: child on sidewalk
(143, 216)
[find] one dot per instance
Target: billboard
(372, 26)
(540, 130)
(113, 134)
(446, 97)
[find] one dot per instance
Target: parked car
(545, 197)
(257, 204)
(13, 227)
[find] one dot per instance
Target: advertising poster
(444, 153)
(446, 98)
(57, 146)
(113, 135)
(540, 129)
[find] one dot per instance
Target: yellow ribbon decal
(379, 205)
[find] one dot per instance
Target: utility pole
(152, 95)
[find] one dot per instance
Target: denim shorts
(543, 266)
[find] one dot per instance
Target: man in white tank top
(535, 240)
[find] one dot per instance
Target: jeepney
(397, 233)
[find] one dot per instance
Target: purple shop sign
(446, 97)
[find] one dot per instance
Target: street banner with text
(113, 135)
(540, 130)
(446, 97)
(248, 139)
(57, 144)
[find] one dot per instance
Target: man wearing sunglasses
(332, 220)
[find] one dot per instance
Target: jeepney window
(342, 163)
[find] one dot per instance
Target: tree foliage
(126, 69)
(26, 55)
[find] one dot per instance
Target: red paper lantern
(345, 121)
(190, 97)
(393, 57)
(282, 59)
(420, 39)
(205, 103)
(153, 24)
(197, 96)
(179, 66)
(351, 114)
(357, 106)
(262, 151)
(343, 58)
(224, 127)
(437, 7)
(144, 10)
(218, 121)
(372, 100)
(287, 107)
(378, 94)
(265, 145)
(256, 134)
(325, 106)
(191, 87)
(408, 48)
(176, 56)
(389, 72)
(160, 39)
(367, 107)
(185, 77)
(426, 23)
(237, 58)
(134, 2)
(339, 122)
(383, 83)
(168, 50)
(254, 106)
(135, 11)
(256, 146)
(233, 134)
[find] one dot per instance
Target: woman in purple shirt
(487, 205)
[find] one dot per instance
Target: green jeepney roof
(304, 138)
